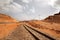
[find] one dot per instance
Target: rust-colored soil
(7, 25)
(45, 27)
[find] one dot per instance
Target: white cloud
(4, 4)
(17, 7)
(13, 7)
(52, 2)
(26, 1)
(55, 4)
(32, 9)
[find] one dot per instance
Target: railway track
(38, 35)
(25, 32)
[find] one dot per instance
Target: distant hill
(6, 18)
(54, 18)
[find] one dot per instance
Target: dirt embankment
(54, 18)
(51, 25)
(7, 25)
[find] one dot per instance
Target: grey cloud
(41, 10)
(57, 4)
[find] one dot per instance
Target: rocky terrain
(53, 18)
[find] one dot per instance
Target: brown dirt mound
(7, 25)
(6, 18)
(55, 18)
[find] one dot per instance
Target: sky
(29, 9)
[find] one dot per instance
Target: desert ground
(8, 25)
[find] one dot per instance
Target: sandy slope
(47, 28)
(50, 25)
(7, 25)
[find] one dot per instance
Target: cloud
(52, 2)
(56, 4)
(4, 2)
(17, 7)
(26, 1)
(31, 9)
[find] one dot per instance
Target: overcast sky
(29, 9)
